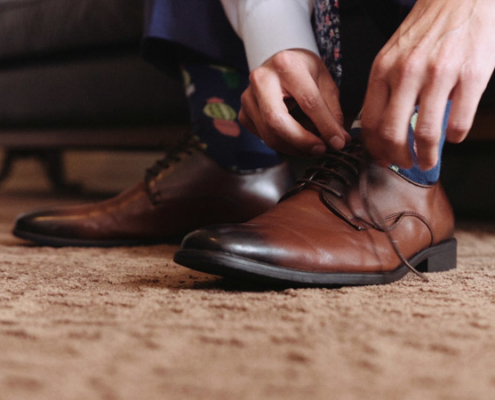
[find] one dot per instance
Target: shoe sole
(438, 258)
(68, 242)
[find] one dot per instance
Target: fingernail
(337, 142)
(319, 150)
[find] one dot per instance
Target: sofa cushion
(38, 27)
(108, 89)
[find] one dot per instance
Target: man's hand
(300, 76)
(443, 50)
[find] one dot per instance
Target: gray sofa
(71, 76)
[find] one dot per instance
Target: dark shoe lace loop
(343, 165)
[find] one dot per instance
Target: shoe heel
(443, 257)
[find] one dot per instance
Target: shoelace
(172, 155)
(354, 159)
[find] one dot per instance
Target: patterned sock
(415, 173)
(214, 96)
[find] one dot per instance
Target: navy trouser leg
(192, 30)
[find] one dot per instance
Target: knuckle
(427, 135)
(390, 136)
(409, 67)
(440, 70)
(470, 73)
(256, 77)
(459, 128)
(380, 67)
(282, 60)
(310, 101)
(383, 60)
(273, 120)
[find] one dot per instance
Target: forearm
(268, 27)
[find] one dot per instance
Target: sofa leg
(6, 166)
(55, 169)
(52, 162)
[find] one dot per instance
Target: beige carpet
(127, 323)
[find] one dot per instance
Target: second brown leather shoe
(182, 192)
(332, 230)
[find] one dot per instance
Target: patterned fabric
(327, 30)
(214, 96)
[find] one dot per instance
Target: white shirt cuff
(276, 25)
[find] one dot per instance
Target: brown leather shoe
(332, 230)
(182, 192)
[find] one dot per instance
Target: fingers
(331, 96)
(375, 102)
(279, 144)
(299, 75)
(393, 93)
(272, 118)
(428, 129)
(465, 99)
(310, 98)
(244, 116)
(250, 117)
(394, 130)
(442, 50)
(273, 124)
(469, 86)
(385, 119)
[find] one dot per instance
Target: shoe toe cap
(43, 225)
(242, 240)
(31, 222)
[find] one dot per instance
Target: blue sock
(416, 174)
(214, 96)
